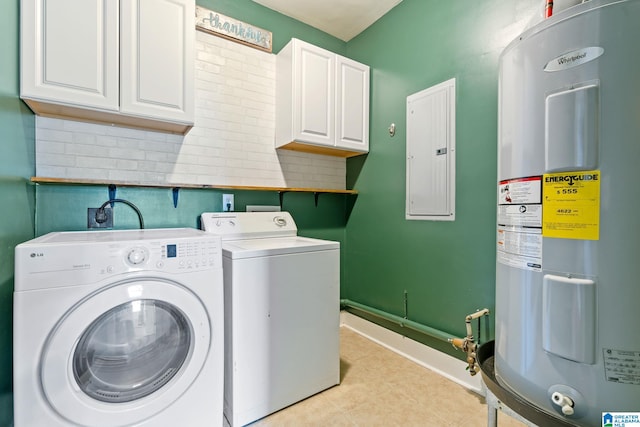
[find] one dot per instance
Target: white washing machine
(282, 310)
(119, 328)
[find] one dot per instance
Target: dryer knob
(137, 256)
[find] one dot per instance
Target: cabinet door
(157, 59)
(352, 105)
(314, 94)
(69, 52)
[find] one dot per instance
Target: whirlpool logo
(569, 59)
(574, 58)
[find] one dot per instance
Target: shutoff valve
(468, 344)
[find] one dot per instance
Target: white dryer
(282, 313)
(119, 328)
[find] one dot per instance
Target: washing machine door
(124, 354)
(131, 351)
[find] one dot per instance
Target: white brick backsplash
(53, 171)
(230, 144)
(85, 173)
(96, 163)
(54, 135)
(106, 141)
(86, 150)
(58, 159)
(132, 164)
(52, 147)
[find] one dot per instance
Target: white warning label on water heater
(520, 191)
(622, 366)
(520, 202)
(520, 247)
(519, 215)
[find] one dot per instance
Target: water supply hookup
(468, 344)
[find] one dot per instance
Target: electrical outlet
(91, 218)
(227, 202)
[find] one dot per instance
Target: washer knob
(137, 256)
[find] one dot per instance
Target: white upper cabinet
(157, 58)
(314, 95)
(322, 101)
(126, 62)
(70, 52)
(352, 104)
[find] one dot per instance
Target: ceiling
(343, 19)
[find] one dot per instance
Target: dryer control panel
(249, 225)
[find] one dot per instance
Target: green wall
(446, 268)
(64, 207)
(16, 195)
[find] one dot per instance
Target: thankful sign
(220, 25)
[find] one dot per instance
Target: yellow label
(571, 205)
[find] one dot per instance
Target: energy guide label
(572, 205)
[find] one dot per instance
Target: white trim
(441, 363)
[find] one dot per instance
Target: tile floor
(381, 388)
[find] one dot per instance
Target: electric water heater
(568, 215)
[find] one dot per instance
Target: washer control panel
(137, 255)
(172, 256)
(248, 225)
(80, 258)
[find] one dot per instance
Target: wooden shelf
(317, 149)
(65, 181)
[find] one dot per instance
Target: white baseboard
(441, 363)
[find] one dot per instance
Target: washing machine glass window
(131, 351)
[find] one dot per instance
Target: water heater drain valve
(468, 344)
(564, 402)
